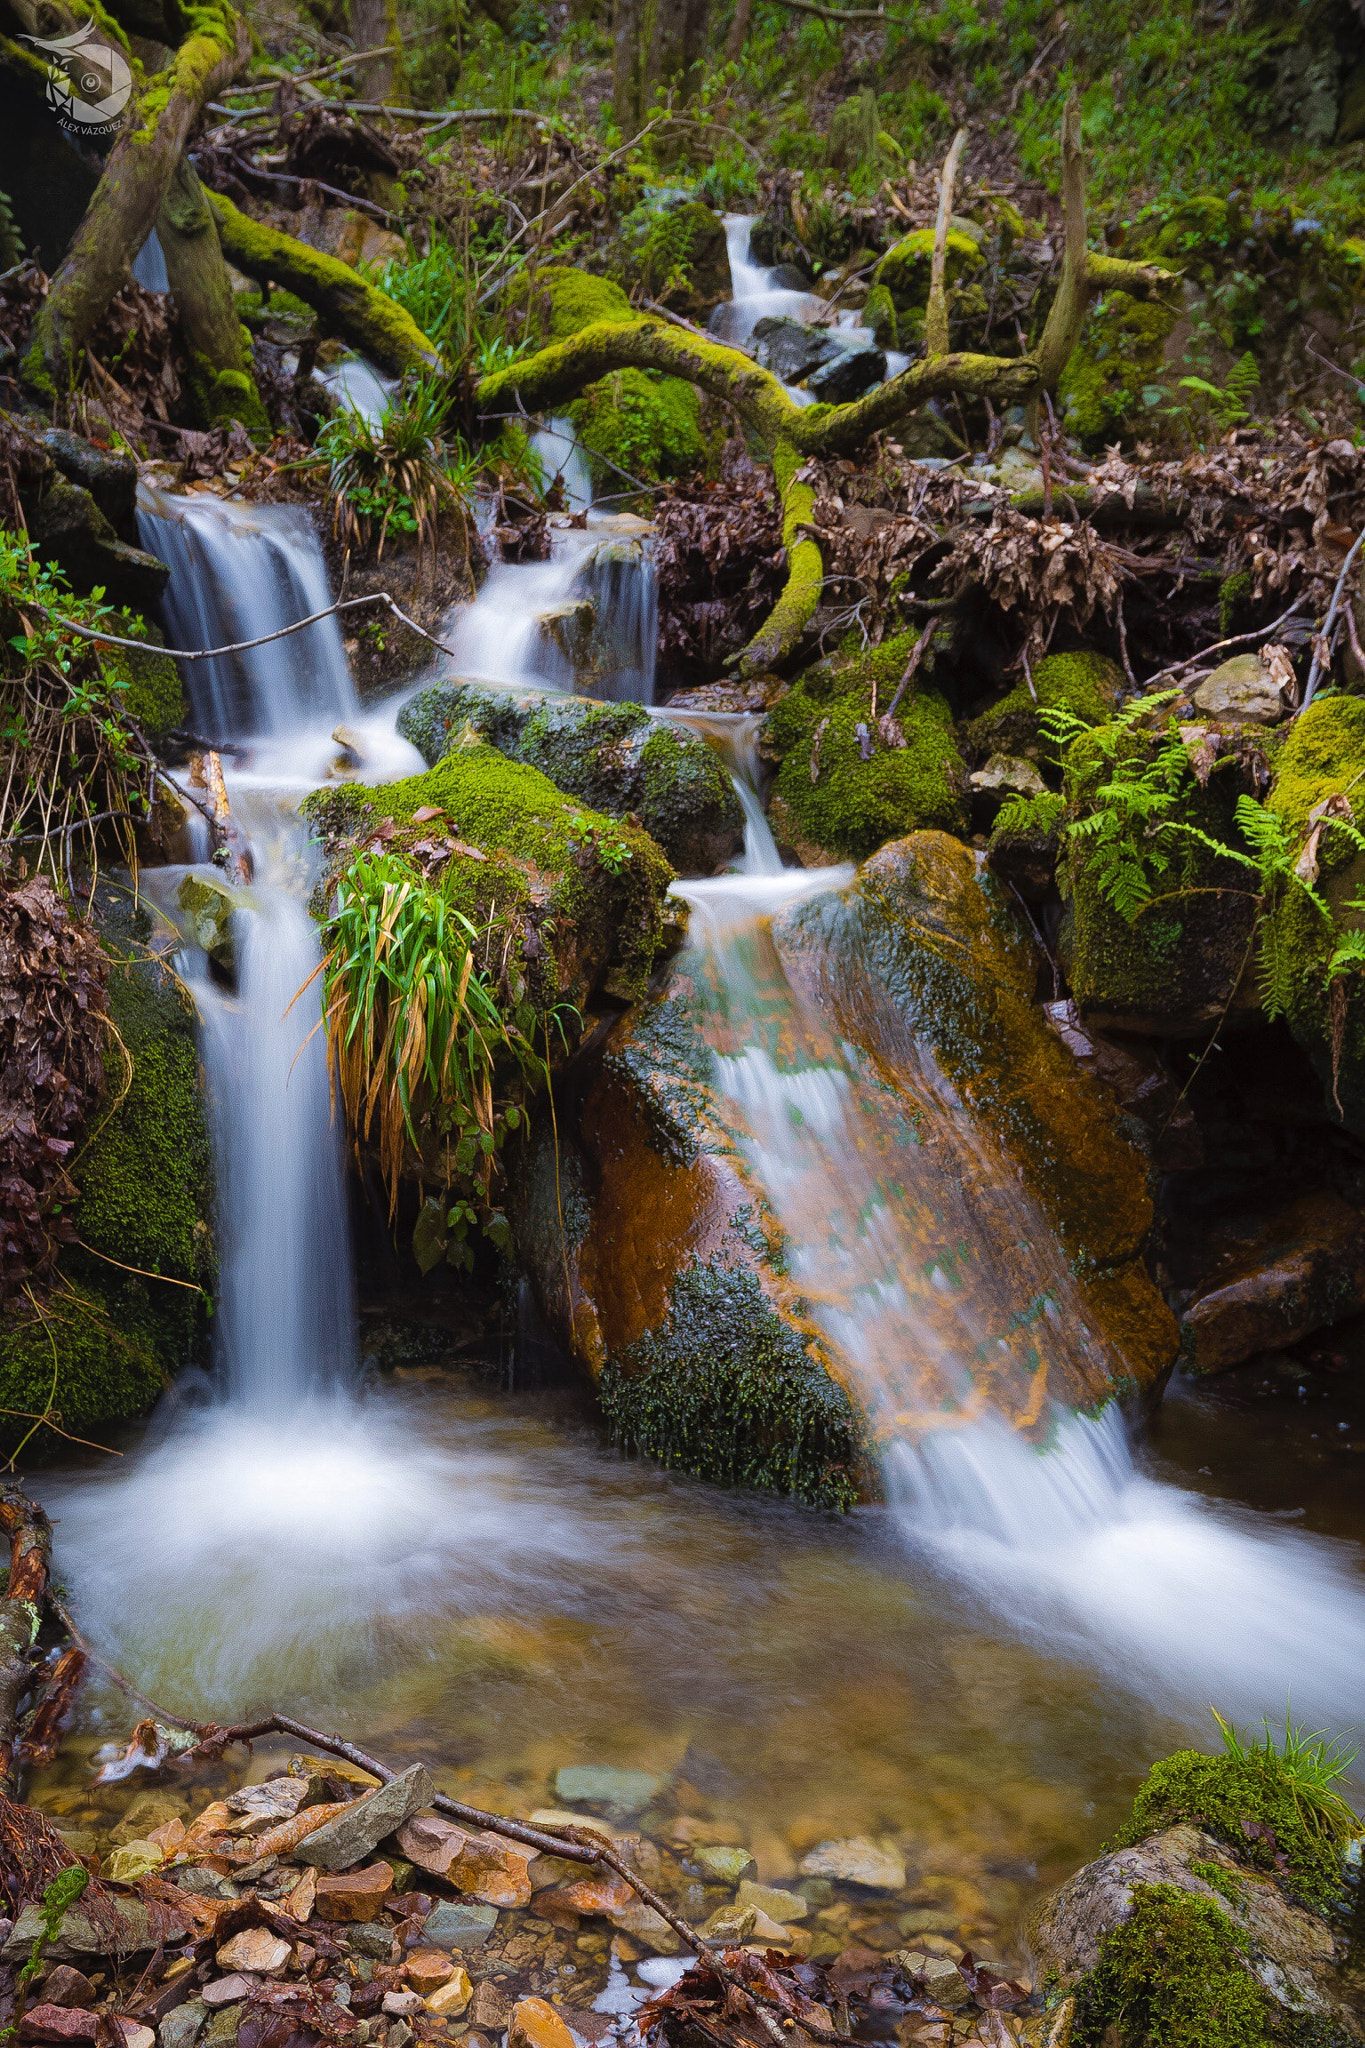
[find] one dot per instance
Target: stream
(979, 1670)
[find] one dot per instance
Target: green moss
(904, 270)
(612, 756)
(591, 889)
(1217, 1793)
(726, 1389)
(634, 426)
(1175, 1974)
(233, 396)
(151, 690)
(1087, 685)
(780, 634)
(1234, 596)
(1120, 357)
(879, 313)
(558, 302)
(851, 806)
(73, 1355)
(1323, 754)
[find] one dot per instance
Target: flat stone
(733, 1923)
(1008, 775)
(181, 2028)
(457, 1925)
(428, 1969)
(490, 2007)
(847, 374)
(277, 1798)
(431, 1843)
(132, 1861)
(492, 1869)
(358, 1831)
(255, 1948)
(355, 1894)
(77, 1936)
(453, 1996)
(723, 1865)
(876, 1866)
(777, 1904)
(65, 1985)
(587, 1895)
(536, 2024)
(927, 1920)
(403, 2004)
(1302, 1270)
(649, 1928)
(228, 1990)
(58, 2023)
(1243, 692)
(622, 1793)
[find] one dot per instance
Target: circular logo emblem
(88, 83)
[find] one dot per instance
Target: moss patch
(152, 692)
(1088, 685)
(827, 795)
(1175, 1974)
(581, 893)
(904, 270)
(557, 302)
(1119, 359)
(636, 426)
(1218, 1793)
(724, 1388)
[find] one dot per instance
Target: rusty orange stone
(355, 1894)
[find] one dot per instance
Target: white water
(560, 456)
(756, 297)
(356, 384)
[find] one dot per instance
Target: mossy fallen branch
(360, 313)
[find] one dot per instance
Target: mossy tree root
(126, 203)
(202, 290)
(358, 312)
(781, 631)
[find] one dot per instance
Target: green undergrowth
(726, 1389)
(1175, 1974)
(848, 791)
(1086, 685)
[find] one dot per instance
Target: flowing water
(979, 1670)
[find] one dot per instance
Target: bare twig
(1324, 639)
(1180, 668)
(936, 312)
(241, 646)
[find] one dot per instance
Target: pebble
(874, 1865)
(456, 1925)
(622, 1792)
(228, 1990)
(255, 1949)
(355, 1894)
(403, 2004)
(276, 1799)
(180, 2028)
(360, 1829)
(58, 2023)
(431, 1843)
(490, 2007)
(428, 1969)
(493, 1870)
(777, 1904)
(453, 1996)
(724, 1865)
(927, 1920)
(536, 2024)
(65, 1985)
(372, 1938)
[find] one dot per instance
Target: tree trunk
(739, 31)
(359, 312)
(372, 24)
(202, 291)
(677, 46)
(127, 200)
(627, 86)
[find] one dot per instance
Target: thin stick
(1179, 668)
(241, 646)
(936, 312)
(1324, 639)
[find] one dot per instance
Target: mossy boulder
(635, 427)
(1111, 377)
(1086, 684)
(150, 689)
(1206, 1926)
(925, 955)
(615, 757)
(579, 894)
(659, 1266)
(904, 270)
(843, 789)
(131, 1304)
(1323, 755)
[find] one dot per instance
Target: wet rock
(778, 1905)
(255, 1949)
(108, 476)
(722, 1865)
(536, 2024)
(1242, 692)
(648, 1928)
(940, 1976)
(364, 1824)
(490, 2007)
(209, 906)
(847, 374)
(452, 1997)
(277, 1798)
(427, 1969)
(67, 1986)
(229, 1990)
(877, 1866)
(586, 1895)
(49, 2022)
(181, 2028)
(493, 1870)
(372, 1938)
(1302, 1270)
(355, 1894)
(403, 2004)
(432, 1843)
(1005, 775)
(132, 1861)
(1287, 1952)
(620, 1793)
(455, 1925)
(122, 1930)
(568, 629)
(733, 1923)
(790, 350)
(1139, 1079)
(144, 1813)
(220, 2030)
(67, 526)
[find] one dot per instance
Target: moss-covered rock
(842, 789)
(130, 1307)
(580, 895)
(615, 757)
(1105, 386)
(660, 1267)
(1024, 842)
(636, 427)
(556, 302)
(1087, 685)
(879, 313)
(904, 270)
(151, 689)
(1323, 755)
(925, 955)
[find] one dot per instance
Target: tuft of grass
(399, 471)
(1312, 1766)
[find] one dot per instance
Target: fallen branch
(241, 646)
(1180, 668)
(1322, 646)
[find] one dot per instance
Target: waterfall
(756, 297)
(588, 619)
(237, 572)
(1067, 1541)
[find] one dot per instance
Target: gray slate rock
(1242, 692)
(847, 374)
(355, 1834)
(77, 1937)
(182, 2027)
(455, 1925)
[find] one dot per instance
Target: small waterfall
(356, 384)
(756, 297)
(238, 572)
(586, 620)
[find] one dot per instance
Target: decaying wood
(936, 312)
(30, 1535)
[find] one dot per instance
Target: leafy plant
(1226, 403)
(1311, 1766)
(416, 1033)
(398, 470)
(1129, 832)
(58, 1898)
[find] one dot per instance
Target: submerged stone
(622, 1792)
(722, 1865)
(877, 1866)
(454, 1924)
